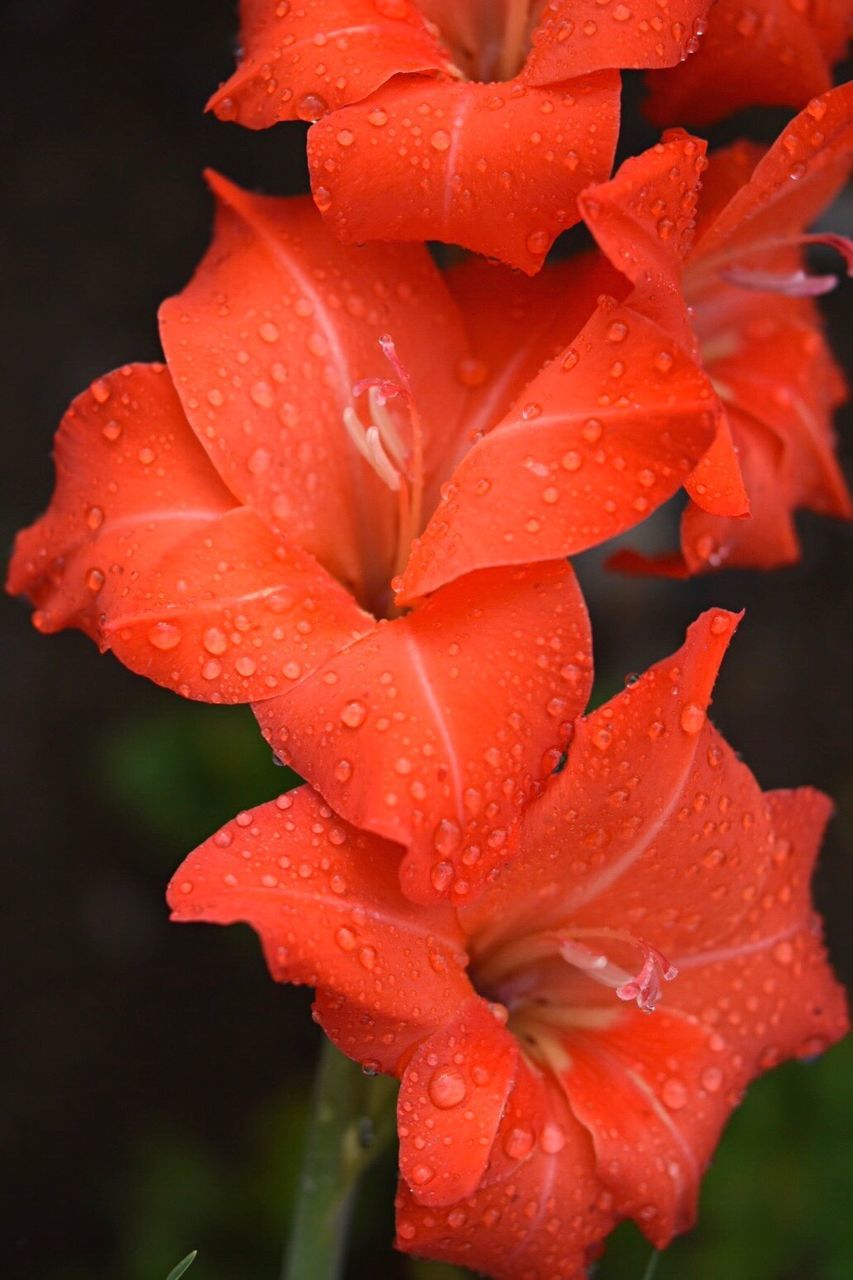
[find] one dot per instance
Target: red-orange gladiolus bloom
(748, 297)
(228, 526)
(543, 1095)
(762, 53)
(475, 122)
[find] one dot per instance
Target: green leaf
(183, 1266)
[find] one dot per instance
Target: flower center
(554, 981)
(490, 39)
(388, 434)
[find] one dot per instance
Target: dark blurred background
(154, 1078)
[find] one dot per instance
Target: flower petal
(493, 167)
(575, 37)
(516, 323)
(232, 613)
(131, 483)
(643, 220)
(266, 344)
(617, 828)
(772, 53)
(791, 184)
(436, 728)
(544, 1221)
(326, 903)
(597, 441)
(445, 1145)
(637, 1087)
(301, 61)
(765, 540)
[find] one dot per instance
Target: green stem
(352, 1121)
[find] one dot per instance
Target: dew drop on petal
(164, 635)
(692, 717)
(447, 1088)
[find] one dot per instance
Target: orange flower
(228, 527)
(607, 470)
(540, 1102)
(475, 122)
(764, 53)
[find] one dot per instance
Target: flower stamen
(398, 462)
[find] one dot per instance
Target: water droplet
(441, 876)
(447, 837)
(311, 107)
(552, 1138)
(440, 140)
(712, 1079)
(518, 1143)
(354, 714)
(674, 1094)
(692, 718)
(538, 243)
(164, 635)
(214, 640)
(447, 1088)
(95, 517)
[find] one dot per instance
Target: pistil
(738, 268)
(396, 457)
(509, 973)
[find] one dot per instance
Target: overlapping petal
(302, 60)
(769, 53)
(267, 344)
(574, 37)
(608, 431)
(437, 728)
(494, 167)
(147, 551)
(326, 901)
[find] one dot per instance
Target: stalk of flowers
(570, 1045)
(348, 498)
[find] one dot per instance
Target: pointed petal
(793, 182)
(232, 613)
(131, 483)
(544, 1221)
(517, 323)
(575, 37)
(643, 220)
(266, 344)
(445, 1145)
(770, 974)
(326, 903)
(439, 726)
(716, 484)
(616, 827)
(597, 441)
(493, 167)
(301, 61)
(776, 369)
(638, 1088)
(772, 53)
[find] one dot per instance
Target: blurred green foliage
(774, 1203)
